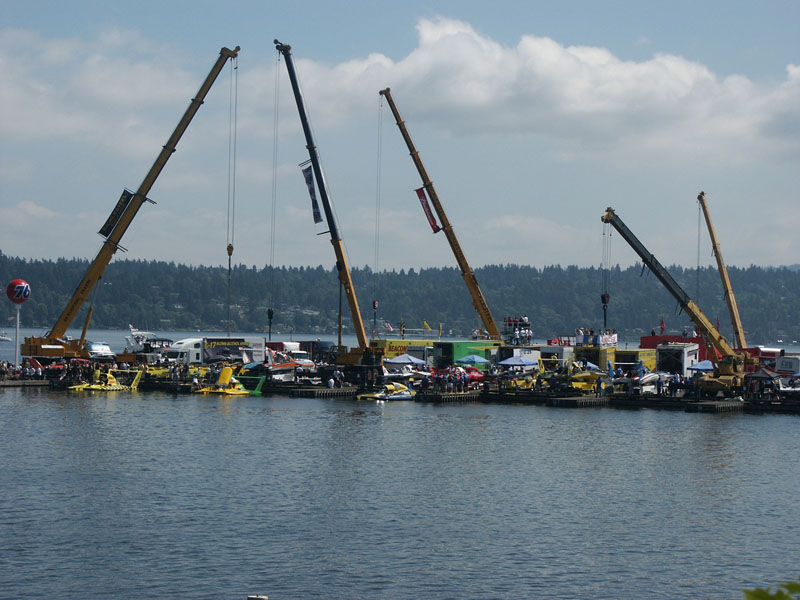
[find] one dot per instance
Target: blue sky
(530, 118)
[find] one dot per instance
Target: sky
(530, 118)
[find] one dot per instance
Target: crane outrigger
(478, 300)
(53, 345)
(730, 299)
(341, 260)
(729, 365)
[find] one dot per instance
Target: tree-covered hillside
(160, 295)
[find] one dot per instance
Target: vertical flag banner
(423, 200)
(309, 175)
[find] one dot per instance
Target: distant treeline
(167, 296)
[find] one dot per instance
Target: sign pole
(16, 341)
(18, 291)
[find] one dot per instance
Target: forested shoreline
(169, 296)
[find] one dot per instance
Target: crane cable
(232, 120)
(606, 271)
(378, 184)
(697, 272)
(275, 123)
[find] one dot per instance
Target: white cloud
(100, 93)
(562, 130)
(24, 217)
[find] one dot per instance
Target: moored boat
(146, 342)
(99, 351)
(389, 391)
(226, 384)
(109, 382)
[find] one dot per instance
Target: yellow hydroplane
(108, 382)
(226, 384)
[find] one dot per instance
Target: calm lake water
(148, 495)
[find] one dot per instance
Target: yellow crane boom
(478, 300)
(730, 299)
(52, 345)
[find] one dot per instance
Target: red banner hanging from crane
(423, 200)
(308, 174)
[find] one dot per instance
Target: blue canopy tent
(517, 361)
(703, 365)
(472, 359)
(404, 359)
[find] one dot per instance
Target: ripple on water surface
(148, 495)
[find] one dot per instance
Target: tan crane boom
(478, 300)
(730, 299)
(52, 345)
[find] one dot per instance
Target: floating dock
(656, 402)
(349, 391)
(486, 395)
(673, 403)
(448, 397)
(579, 402)
(515, 396)
(24, 383)
(716, 406)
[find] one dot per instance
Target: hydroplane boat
(389, 391)
(280, 367)
(225, 384)
(109, 383)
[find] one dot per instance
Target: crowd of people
(26, 370)
(83, 371)
(336, 379)
(446, 382)
(518, 329)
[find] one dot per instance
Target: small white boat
(146, 342)
(99, 351)
(4, 337)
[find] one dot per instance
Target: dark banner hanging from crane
(115, 215)
(423, 200)
(309, 175)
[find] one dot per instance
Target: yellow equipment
(733, 309)
(53, 345)
(729, 366)
(226, 384)
(478, 300)
(108, 382)
(390, 391)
